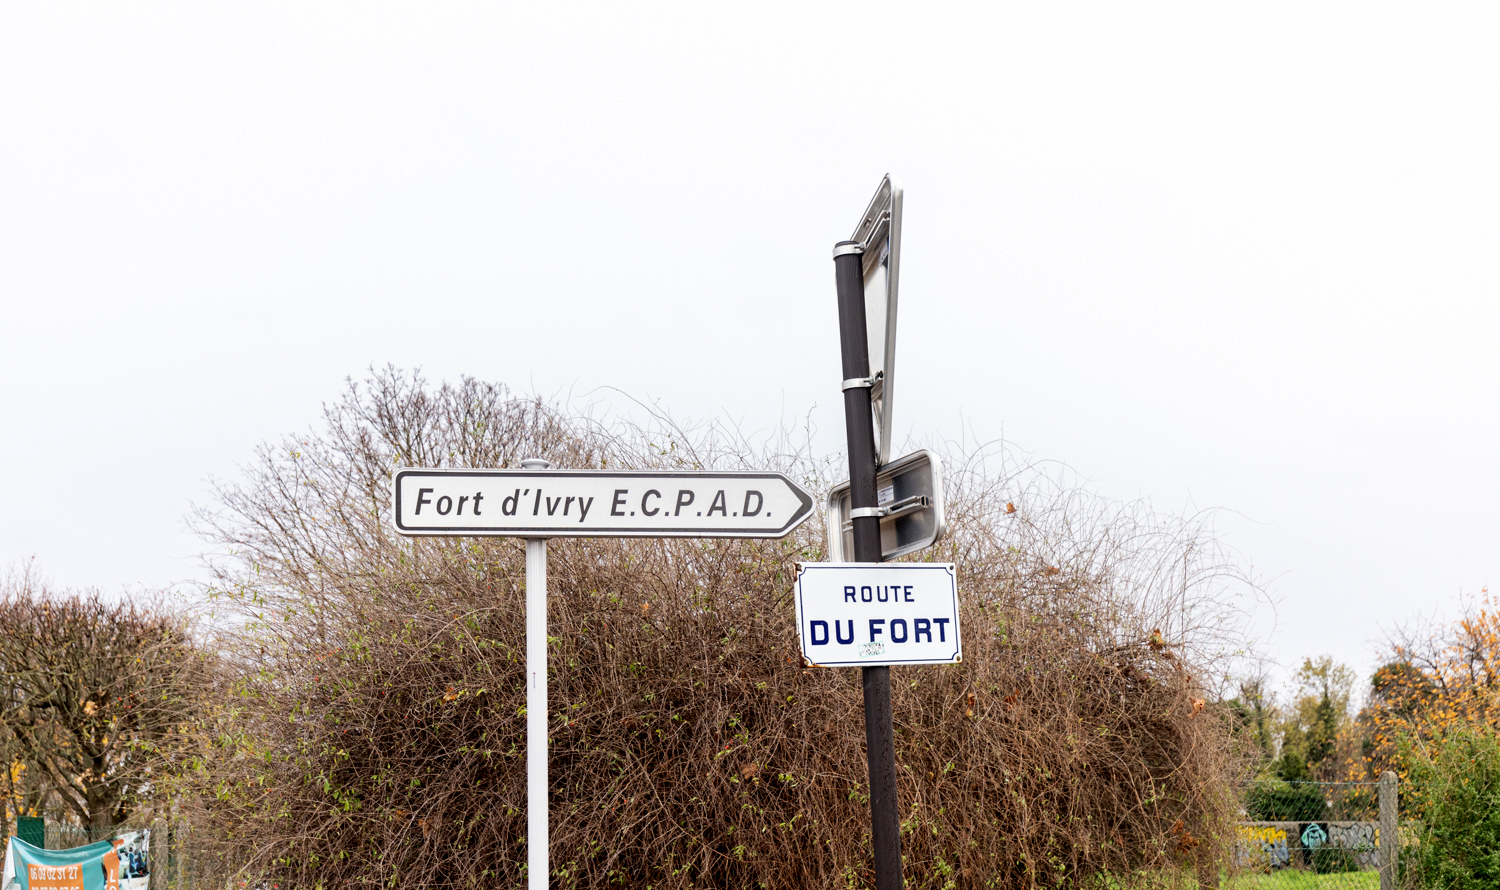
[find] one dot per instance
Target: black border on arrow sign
(801, 515)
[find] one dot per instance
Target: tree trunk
(101, 815)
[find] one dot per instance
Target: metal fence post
(184, 875)
(156, 857)
(1390, 836)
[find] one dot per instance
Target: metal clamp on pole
(844, 248)
(873, 384)
(901, 507)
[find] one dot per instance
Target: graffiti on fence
(1360, 838)
(1313, 836)
(1261, 847)
(1353, 835)
(1265, 846)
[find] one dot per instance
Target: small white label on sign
(865, 614)
(885, 495)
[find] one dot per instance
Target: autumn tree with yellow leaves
(1434, 718)
(1434, 682)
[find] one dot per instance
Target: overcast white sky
(1218, 257)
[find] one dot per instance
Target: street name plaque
(868, 614)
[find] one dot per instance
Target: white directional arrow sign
(538, 503)
(589, 503)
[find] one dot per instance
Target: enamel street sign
(869, 614)
(590, 503)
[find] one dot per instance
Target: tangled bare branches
(376, 732)
(95, 697)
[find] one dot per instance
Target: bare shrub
(95, 696)
(376, 734)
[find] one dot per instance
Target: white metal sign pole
(537, 836)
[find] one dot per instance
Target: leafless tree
(95, 692)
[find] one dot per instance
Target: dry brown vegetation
(95, 696)
(375, 732)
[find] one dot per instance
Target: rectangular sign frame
(642, 512)
(911, 488)
(921, 597)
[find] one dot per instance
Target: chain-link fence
(1296, 836)
(1324, 835)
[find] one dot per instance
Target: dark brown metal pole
(880, 736)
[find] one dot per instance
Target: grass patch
(1292, 879)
